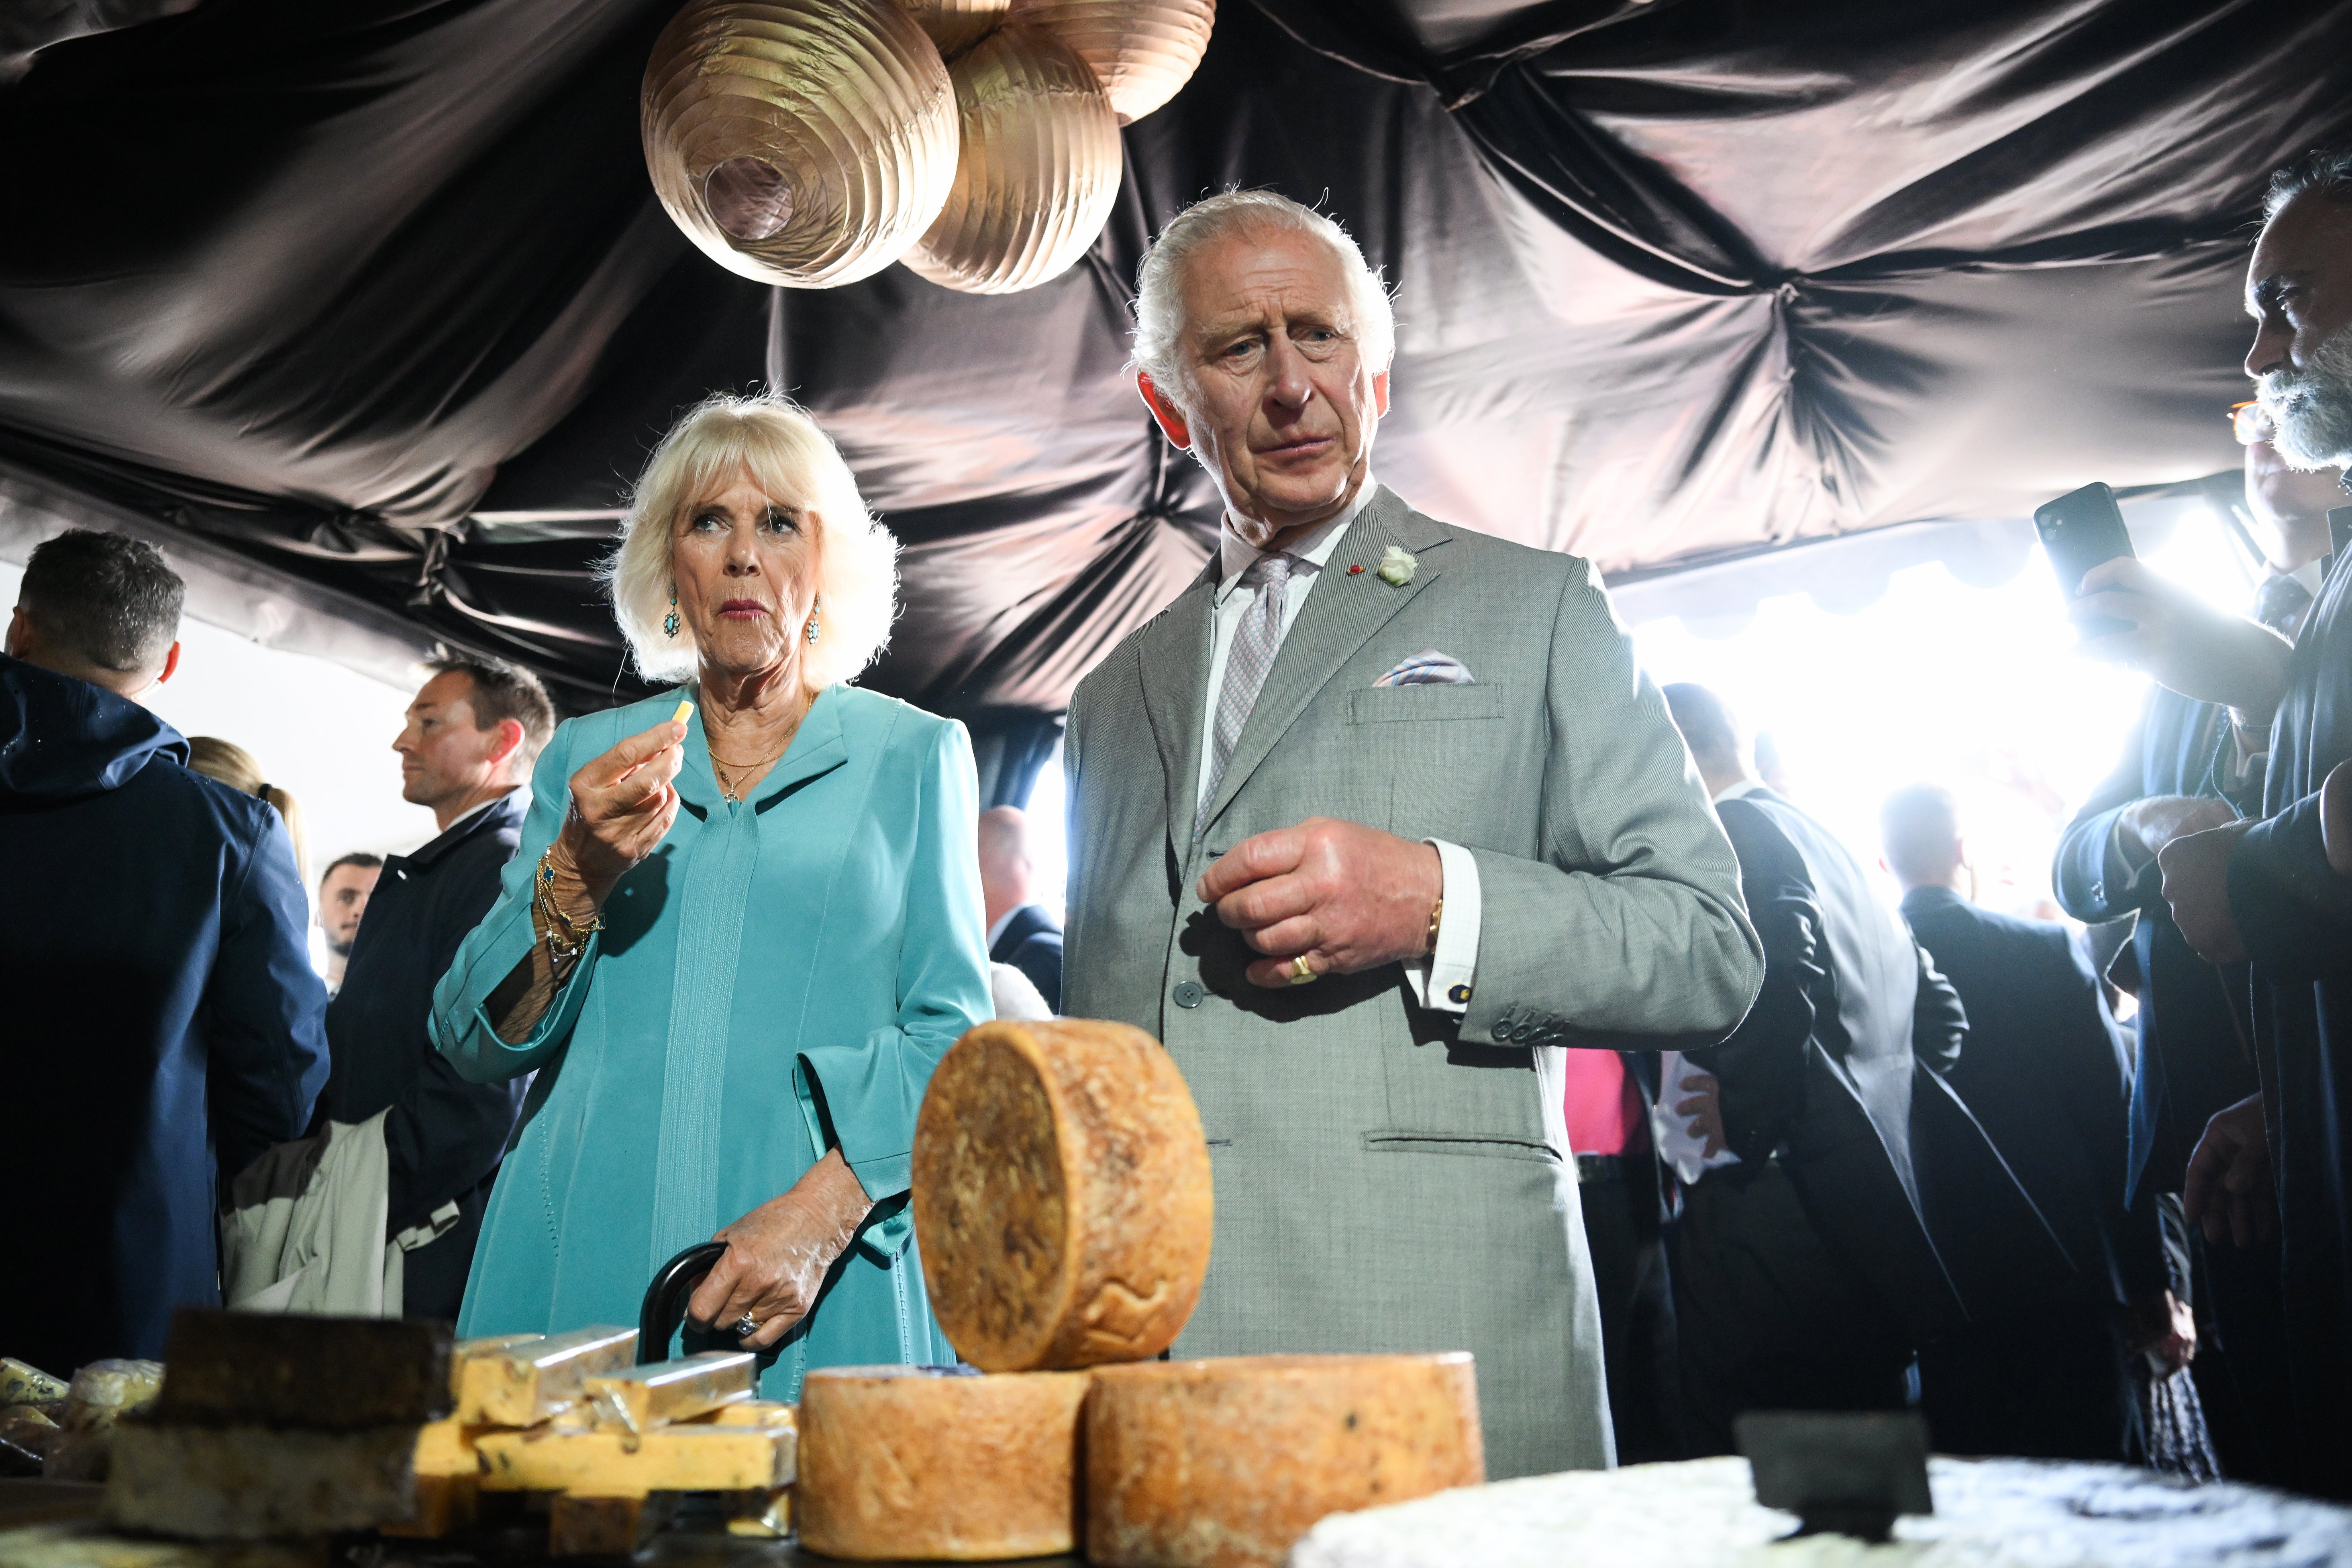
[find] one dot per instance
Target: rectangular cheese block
(644, 1397)
(668, 1458)
(524, 1386)
(444, 1503)
(291, 1370)
(253, 1483)
(445, 1448)
(482, 1345)
(21, 1384)
(605, 1526)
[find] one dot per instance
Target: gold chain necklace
(726, 785)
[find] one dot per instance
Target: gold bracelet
(1436, 916)
(575, 936)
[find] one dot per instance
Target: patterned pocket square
(1429, 667)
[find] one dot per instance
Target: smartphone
(2080, 530)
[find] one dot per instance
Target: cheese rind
(580, 1526)
(667, 1459)
(1062, 1195)
(923, 1463)
(526, 1385)
(1226, 1463)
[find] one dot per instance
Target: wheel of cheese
(938, 1464)
(1061, 1194)
(1224, 1464)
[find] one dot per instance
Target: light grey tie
(1255, 642)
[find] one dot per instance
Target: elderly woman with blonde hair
(734, 943)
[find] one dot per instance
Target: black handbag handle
(665, 1308)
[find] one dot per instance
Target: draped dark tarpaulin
(377, 294)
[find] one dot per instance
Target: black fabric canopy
(377, 293)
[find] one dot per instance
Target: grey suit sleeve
(1630, 920)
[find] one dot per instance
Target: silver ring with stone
(746, 1326)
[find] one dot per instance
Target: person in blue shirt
(734, 943)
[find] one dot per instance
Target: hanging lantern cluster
(812, 143)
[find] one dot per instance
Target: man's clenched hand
(1347, 897)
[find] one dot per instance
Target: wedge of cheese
(21, 1384)
(690, 1458)
(1061, 1195)
(935, 1464)
(639, 1398)
(527, 1384)
(1224, 1464)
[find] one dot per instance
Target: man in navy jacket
(466, 750)
(163, 1019)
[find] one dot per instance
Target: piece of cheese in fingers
(685, 707)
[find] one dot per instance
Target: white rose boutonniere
(1398, 566)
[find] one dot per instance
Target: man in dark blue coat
(2046, 1075)
(1838, 1198)
(2182, 772)
(1020, 933)
(163, 1019)
(2262, 890)
(466, 750)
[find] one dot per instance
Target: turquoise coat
(780, 974)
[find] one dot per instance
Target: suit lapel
(1340, 615)
(1172, 659)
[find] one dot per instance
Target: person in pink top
(1608, 1127)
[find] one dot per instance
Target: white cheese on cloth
(1989, 1513)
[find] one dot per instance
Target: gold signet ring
(1299, 973)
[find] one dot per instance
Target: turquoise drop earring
(669, 622)
(814, 605)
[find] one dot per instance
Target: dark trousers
(1624, 1233)
(2243, 1370)
(2053, 1383)
(1767, 1317)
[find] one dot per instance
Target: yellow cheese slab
(685, 707)
(465, 1351)
(643, 1397)
(445, 1448)
(526, 1385)
(752, 1413)
(23, 1384)
(668, 1458)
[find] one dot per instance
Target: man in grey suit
(1368, 826)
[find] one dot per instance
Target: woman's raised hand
(621, 804)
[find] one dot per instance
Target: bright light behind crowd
(1981, 690)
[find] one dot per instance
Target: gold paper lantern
(955, 24)
(1142, 49)
(1039, 168)
(806, 143)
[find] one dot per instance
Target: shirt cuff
(1442, 979)
(2130, 855)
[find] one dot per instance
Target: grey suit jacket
(1391, 1177)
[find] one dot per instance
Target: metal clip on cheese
(663, 1315)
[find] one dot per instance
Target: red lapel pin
(1355, 571)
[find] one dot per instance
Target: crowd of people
(1522, 1015)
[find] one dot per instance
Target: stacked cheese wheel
(1063, 1208)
